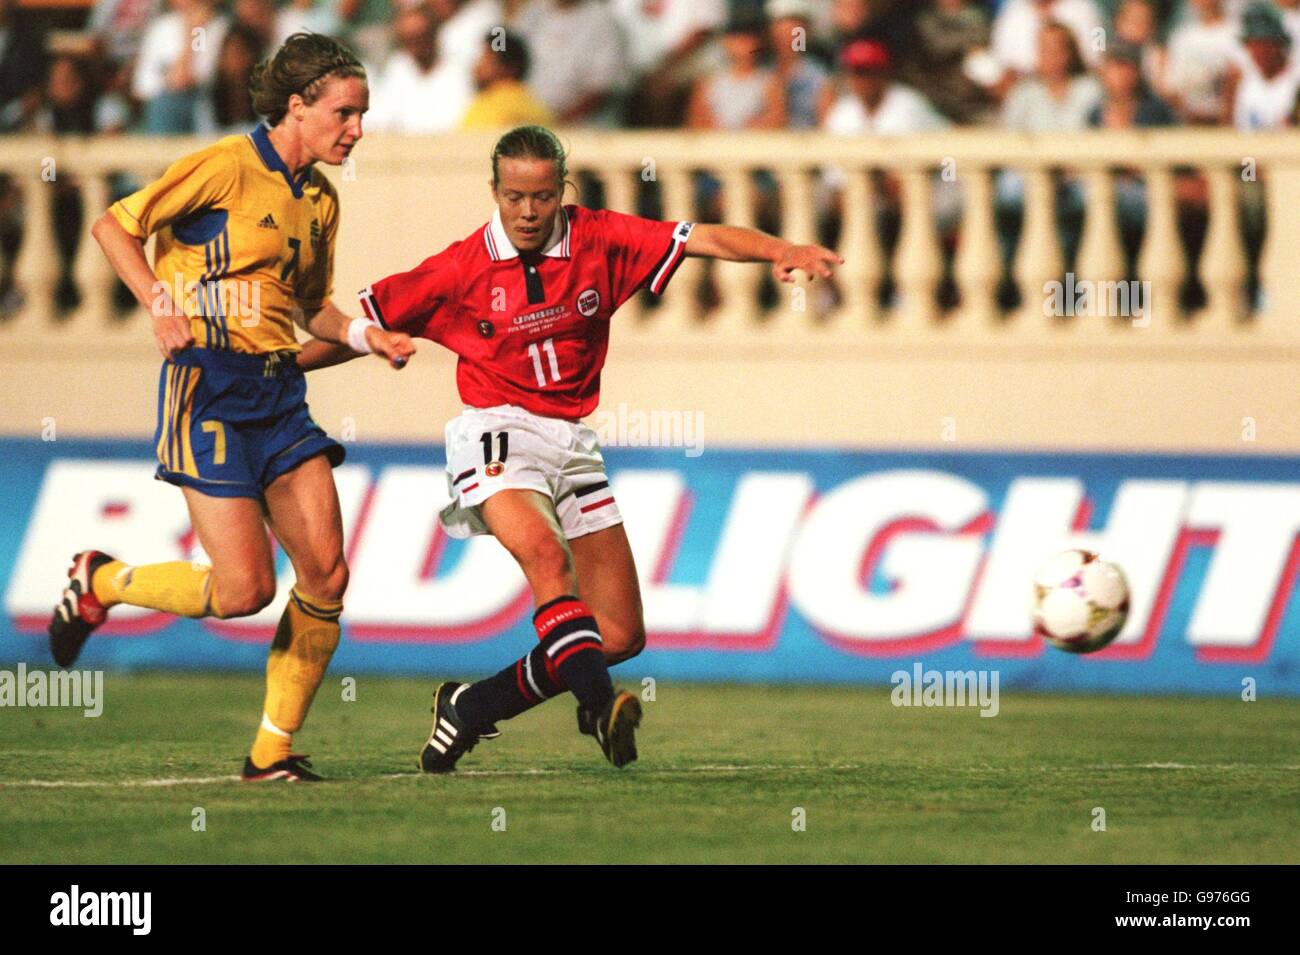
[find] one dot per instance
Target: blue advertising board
(774, 565)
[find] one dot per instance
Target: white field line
(113, 784)
(210, 780)
(703, 769)
(1211, 766)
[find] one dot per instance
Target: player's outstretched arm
(736, 244)
(317, 354)
(354, 336)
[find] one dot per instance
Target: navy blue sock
(528, 681)
(569, 656)
(567, 630)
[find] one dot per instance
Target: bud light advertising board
(773, 565)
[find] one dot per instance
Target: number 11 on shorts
(503, 443)
(549, 347)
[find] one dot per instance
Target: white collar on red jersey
(500, 247)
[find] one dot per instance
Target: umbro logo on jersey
(268, 222)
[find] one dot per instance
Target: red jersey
(531, 330)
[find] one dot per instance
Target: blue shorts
(229, 424)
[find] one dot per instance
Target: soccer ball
(1080, 601)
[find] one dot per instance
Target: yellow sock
(101, 583)
(270, 745)
(178, 587)
(305, 641)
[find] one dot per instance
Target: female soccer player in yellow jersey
(246, 229)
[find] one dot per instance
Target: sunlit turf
(722, 775)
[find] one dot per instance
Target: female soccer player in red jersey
(246, 229)
(525, 302)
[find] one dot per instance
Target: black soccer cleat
(614, 727)
(79, 612)
(294, 769)
(450, 738)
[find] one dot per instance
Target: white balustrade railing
(407, 198)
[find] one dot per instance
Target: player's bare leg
(526, 525)
(238, 582)
(303, 511)
(302, 508)
(569, 654)
(608, 583)
(233, 535)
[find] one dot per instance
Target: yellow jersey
(241, 245)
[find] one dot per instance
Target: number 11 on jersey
(535, 353)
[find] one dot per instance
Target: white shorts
(490, 449)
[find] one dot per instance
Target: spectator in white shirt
(464, 25)
(1060, 95)
(744, 93)
(870, 101)
(1264, 84)
(119, 26)
(669, 44)
(1059, 98)
(417, 91)
(306, 16)
(1018, 23)
(666, 30)
(1201, 52)
(577, 55)
(178, 58)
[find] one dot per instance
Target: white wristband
(357, 335)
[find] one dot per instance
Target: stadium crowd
(854, 67)
(850, 67)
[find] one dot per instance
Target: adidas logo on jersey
(268, 222)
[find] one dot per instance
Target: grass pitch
(722, 771)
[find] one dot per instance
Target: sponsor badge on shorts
(494, 469)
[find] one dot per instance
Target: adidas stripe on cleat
(293, 769)
(449, 739)
(79, 611)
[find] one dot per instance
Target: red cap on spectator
(865, 56)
